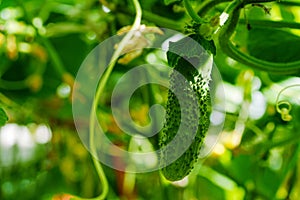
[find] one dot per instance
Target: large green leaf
(3, 117)
(273, 45)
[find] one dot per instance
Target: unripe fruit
(192, 100)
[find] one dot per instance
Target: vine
(103, 81)
(192, 12)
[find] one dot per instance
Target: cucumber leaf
(273, 45)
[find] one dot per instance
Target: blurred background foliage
(42, 45)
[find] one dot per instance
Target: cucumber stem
(192, 12)
(103, 81)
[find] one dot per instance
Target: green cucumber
(193, 90)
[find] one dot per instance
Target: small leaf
(168, 2)
(3, 117)
(273, 45)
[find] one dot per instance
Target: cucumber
(192, 102)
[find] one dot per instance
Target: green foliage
(43, 43)
(273, 45)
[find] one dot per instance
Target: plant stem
(13, 85)
(287, 141)
(192, 12)
(7, 102)
(163, 22)
(93, 117)
(157, 19)
(57, 63)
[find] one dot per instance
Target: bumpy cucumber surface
(193, 90)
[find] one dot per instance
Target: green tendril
(103, 81)
(284, 107)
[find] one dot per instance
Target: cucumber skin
(192, 83)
